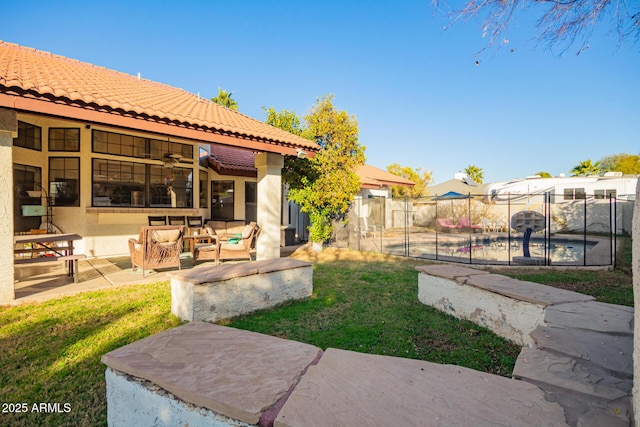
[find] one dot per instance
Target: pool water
(558, 251)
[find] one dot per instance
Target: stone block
(212, 293)
(238, 374)
(521, 290)
(508, 317)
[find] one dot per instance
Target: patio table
(44, 243)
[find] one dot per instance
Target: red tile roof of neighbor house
(44, 83)
(371, 177)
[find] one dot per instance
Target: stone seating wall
(213, 293)
(201, 374)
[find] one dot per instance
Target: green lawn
(50, 352)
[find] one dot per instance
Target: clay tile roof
(30, 73)
(232, 161)
(371, 177)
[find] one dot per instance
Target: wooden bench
(212, 293)
(72, 264)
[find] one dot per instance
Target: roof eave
(68, 109)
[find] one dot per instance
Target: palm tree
(586, 168)
(475, 173)
(224, 99)
(543, 174)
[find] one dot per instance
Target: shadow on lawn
(51, 352)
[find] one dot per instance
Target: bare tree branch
(561, 23)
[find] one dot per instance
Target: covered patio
(95, 152)
(48, 280)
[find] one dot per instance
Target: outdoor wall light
(302, 154)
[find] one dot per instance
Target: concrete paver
(534, 293)
(354, 389)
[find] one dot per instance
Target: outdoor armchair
(239, 247)
(157, 247)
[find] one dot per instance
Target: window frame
(53, 191)
(64, 139)
(24, 127)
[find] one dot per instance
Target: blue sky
(413, 85)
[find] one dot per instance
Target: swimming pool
(500, 251)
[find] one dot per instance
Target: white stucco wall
(269, 167)
(507, 317)
(636, 302)
(135, 402)
(8, 130)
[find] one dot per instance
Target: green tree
(625, 163)
(326, 185)
(294, 167)
(586, 168)
(544, 174)
(475, 173)
(224, 98)
(422, 179)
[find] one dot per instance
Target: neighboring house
(376, 182)
(567, 189)
(460, 184)
(109, 149)
(374, 207)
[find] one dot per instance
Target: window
(64, 181)
(574, 194)
(29, 136)
(251, 201)
(129, 184)
(134, 146)
(204, 189)
(222, 200)
(605, 194)
(26, 178)
(64, 139)
(203, 157)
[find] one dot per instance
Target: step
(589, 394)
(613, 353)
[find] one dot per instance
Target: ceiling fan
(171, 159)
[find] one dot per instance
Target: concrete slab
(525, 291)
(237, 373)
(569, 374)
(447, 271)
(352, 389)
(611, 352)
(592, 315)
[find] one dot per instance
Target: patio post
(269, 167)
(8, 131)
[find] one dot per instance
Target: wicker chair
(157, 247)
(232, 249)
(240, 249)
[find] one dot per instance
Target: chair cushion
(230, 247)
(165, 236)
(217, 225)
(246, 231)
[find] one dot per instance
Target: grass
(368, 303)
(51, 351)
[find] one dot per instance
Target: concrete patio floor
(48, 280)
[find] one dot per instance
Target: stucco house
(109, 149)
